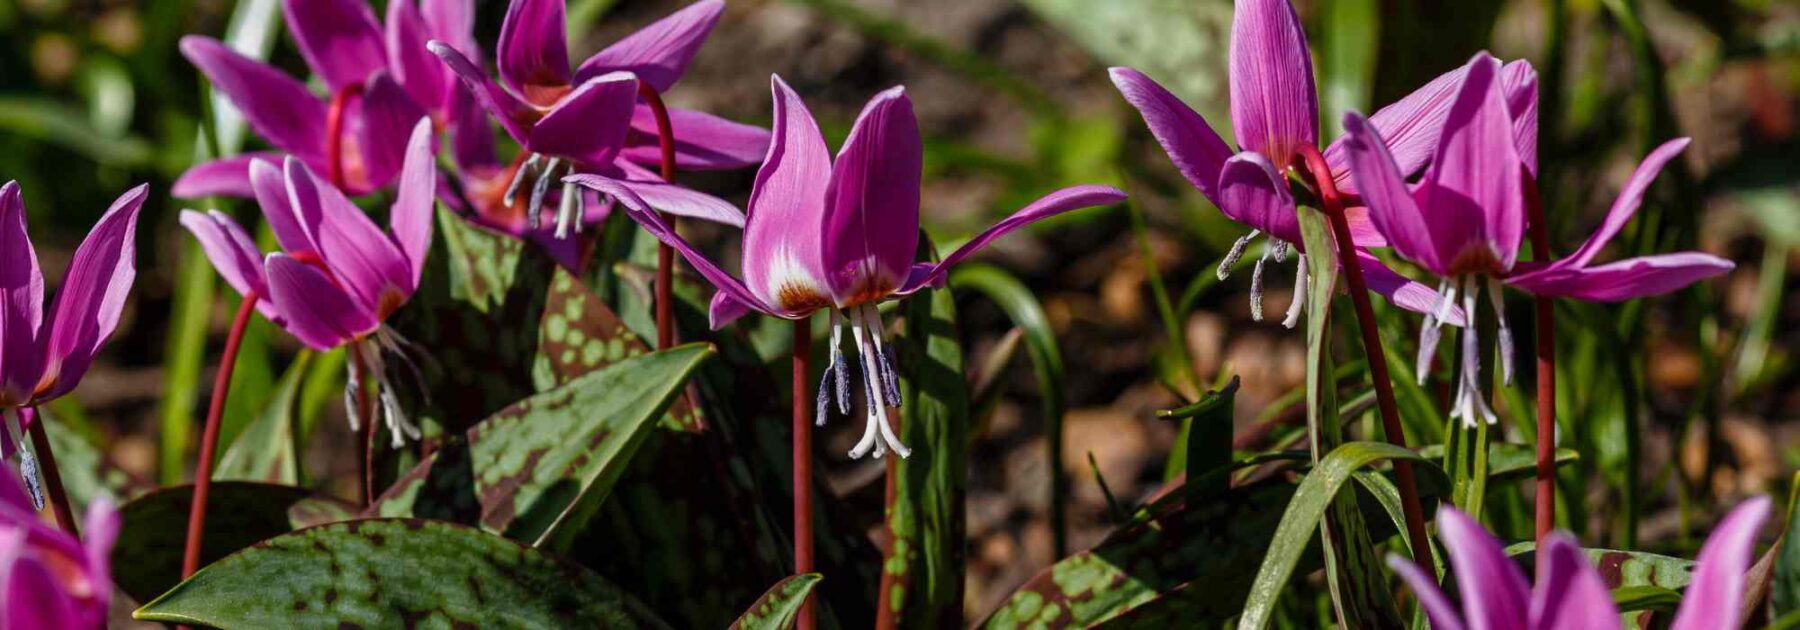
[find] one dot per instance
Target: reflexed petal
(411, 216)
(1623, 280)
(229, 177)
(92, 295)
(668, 198)
(319, 314)
(1715, 593)
(589, 124)
(425, 78)
(1443, 614)
(1494, 592)
(277, 107)
(533, 54)
(1071, 198)
(1626, 204)
(1196, 149)
(726, 309)
(1471, 194)
(1391, 206)
(21, 302)
(233, 253)
(1273, 107)
(659, 53)
(340, 39)
(702, 141)
(514, 115)
(785, 217)
(1402, 291)
(388, 114)
(1253, 192)
(871, 223)
(1570, 594)
(362, 259)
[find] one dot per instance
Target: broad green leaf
(1302, 518)
(922, 576)
(268, 449)
(389, 573)
(537, 471)
(778, 608)
(1636, 598)
(1204, 441)
(1619, 569)
(1785, 596)
(1023, 308)
(153, 529)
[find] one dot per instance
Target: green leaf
(1636, 598)
(1302, 518)
(1023, 308)
(267, 450)
(1785, 595)
(1618, 568)
(537, 471)
(1204, 441)
(777, 609)
(153, 529)
(1508, 462)
(923, 573)
(388, 573)
(86, 472)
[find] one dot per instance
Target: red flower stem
(1371, 339)
(59, 498)
(364, 417)
(1546, 369)
(334, 132)
(803, 530)
(665, 255)
(209, 439)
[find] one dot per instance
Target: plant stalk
(1546, 369)
(665, 255)
(1377, 356)
(334, 132)
(59, 498)
(209, 439)
(803, 530)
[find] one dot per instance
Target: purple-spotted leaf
(390, 573)
(780, 606)
(537, 470)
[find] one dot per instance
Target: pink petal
(92, 295)
(871, 223)
(411, 216)
(1273, 108)
(228, 177)
(589, 124)
(1411, 126)
(1402, 291)
(363, 260)
(669, 198)
(34, 597)
(292, 231)
(471, 138)
(1443, 614)
(725, 310)
(1253, 192)
(452, 21)
(1471, 193)
(1519, 81)
(233, 253)
(21, 302)
(100, 529)
(388, 114)
(1626, 204)
(1495, 595)
(1067, 199)
(702, 141)
(277, 107)
(1570, 594)
(1192, 144)
(1714, 595)
(659, 53)
(340, 39)
(1391, 205)
(785, 217)
(319, 314)
(425, 78)
(533, 54)
(1623, 280)
(514, 115)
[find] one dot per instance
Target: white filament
(1298, 304)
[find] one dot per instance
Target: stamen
(1505, 332)
(28, 469)
(1256, 287)
(870, 437)
(518, 180)
(839, 366)
(822, 400)
(541, 188)
(1470, 400)
(878, 416)
(1237, 253)
(1281, 249)
(1298, 304)
(1429, 332)
(352, 387)
(890, 378)
(569, 212)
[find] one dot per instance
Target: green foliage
(777, 609)
(268, 449)
(153, 529)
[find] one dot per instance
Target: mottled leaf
(777, 609)
(1620, 569)
(390, 573)
(153, 532)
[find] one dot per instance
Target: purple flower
(1275, 118)
(48, 578)
(1570, 594)
(338, 276)
(379, 81)
(839, 236)
(1465, 218)
(591, 121)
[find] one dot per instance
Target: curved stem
(665, 256)
(209, 440)
(1546, 369)
(803, 530)
(334, 132)
(59, 498)
(1377, 356)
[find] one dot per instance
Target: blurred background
(1678, 404)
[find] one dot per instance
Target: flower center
(881, 381)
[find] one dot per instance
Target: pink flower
(48, 579)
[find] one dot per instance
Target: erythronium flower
(591, 120)
(1465, 218)
(1275, 118)
(42, 359)
(1570, 594)
(339, 276)
(840, 236)
(48, 578)
(379, 82)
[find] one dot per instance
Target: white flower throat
(881, 382)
